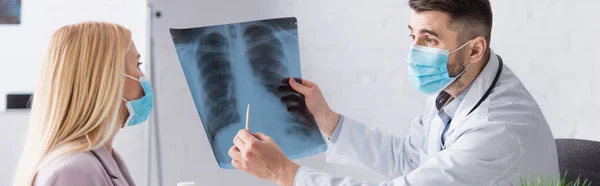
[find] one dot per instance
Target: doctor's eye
(430, 41)
(139, 63)
(412, 36)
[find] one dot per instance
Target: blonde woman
(90, 86)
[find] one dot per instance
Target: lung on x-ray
(230, 66)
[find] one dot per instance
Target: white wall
(554, 47)
(356, 51)
(22, 46)
(13, 128)
(21, 51)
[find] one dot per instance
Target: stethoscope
(104, 166)
(485, 95)
(443, 97)
(489, 90)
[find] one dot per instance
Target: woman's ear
(478, 49)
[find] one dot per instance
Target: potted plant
(561, 182)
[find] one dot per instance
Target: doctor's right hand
(312, 99)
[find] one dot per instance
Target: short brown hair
(469, 18)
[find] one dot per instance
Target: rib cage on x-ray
(215, 70)
(232, 65)
(265, 54)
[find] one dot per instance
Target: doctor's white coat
(504, 140)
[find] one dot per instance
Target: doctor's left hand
(259, 155)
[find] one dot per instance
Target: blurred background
(355, 50)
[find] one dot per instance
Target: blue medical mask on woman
(428, 68)
(139, 109)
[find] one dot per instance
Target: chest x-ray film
(230, 66)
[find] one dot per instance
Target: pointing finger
(235, 153)
(239, 143)
(246, 137)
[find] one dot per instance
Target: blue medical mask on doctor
(428, 68)
(139, 109)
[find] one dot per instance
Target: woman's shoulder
(82, 168)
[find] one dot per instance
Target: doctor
(479, 127)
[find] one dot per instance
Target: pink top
(91, 168)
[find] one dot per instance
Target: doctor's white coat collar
(477, 89)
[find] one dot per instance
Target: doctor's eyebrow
(425, 31)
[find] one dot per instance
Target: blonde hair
(78, 95)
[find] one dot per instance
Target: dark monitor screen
(18, 101)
